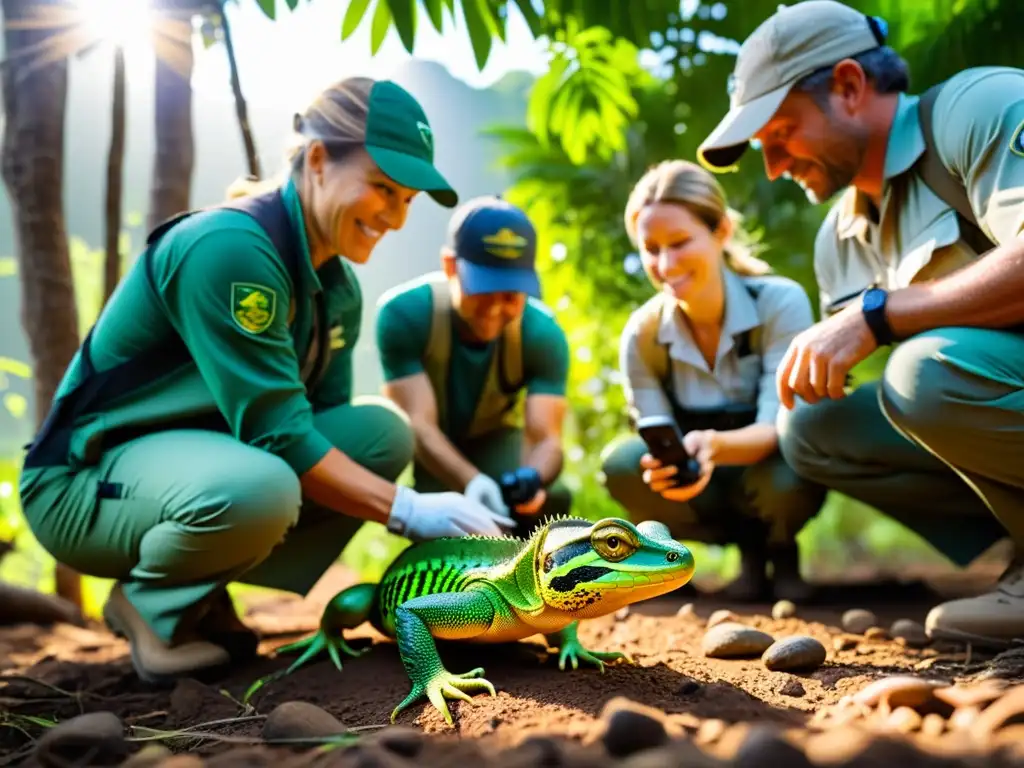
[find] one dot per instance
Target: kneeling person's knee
(265, 499)
(924, 389)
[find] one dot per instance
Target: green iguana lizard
(496, 590)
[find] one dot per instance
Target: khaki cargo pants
(937, 444)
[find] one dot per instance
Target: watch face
(873, 299)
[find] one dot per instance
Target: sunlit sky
(285, 62)
(290, 59)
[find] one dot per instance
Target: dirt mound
(675, 706)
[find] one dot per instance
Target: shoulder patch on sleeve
(253, 306)
(1017, 142)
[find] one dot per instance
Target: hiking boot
(752, 584)
(221, 626)
(787, 583)
(154, 660)
(995, 619)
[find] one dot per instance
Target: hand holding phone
(665, 443)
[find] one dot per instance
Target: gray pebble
(300, 720)
(97, 734)
(731, 641)
(794, 653)
(858, 621)
(912, 633)
(720, 616)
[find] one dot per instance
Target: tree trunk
(33, 171)
(251, 156)
(115, 180)
(170, 188)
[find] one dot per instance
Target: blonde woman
(205, 433)
(701, 355)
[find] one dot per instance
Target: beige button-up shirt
(780, 311)
(978, 121)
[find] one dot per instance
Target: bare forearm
(988, 293)
(745, 446)
(439, 457)
(340, 484)
(546, 457)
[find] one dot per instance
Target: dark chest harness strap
(51, 446)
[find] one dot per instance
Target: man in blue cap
(480, 365)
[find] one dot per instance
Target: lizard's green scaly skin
(494, 590)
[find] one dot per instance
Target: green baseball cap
(791, 44)
(400, 141)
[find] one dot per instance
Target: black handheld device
(666, 445)
(519, 486)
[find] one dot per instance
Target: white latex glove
(485, 490)
(424, 516)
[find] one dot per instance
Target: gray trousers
(937, 444)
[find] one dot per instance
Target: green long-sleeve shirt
(222, 287)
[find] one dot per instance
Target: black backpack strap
(744, 345)
(941, 180)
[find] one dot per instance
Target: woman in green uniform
(204, 433)
(701, 356)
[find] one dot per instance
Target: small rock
(710, 731)
(793, 688)
(875, 633)
(903, 720)
(688, 688)
(720, 617)
(898, 691)
(536, 752)
(631, 727)
(622, 613)
(783, 609)
(798, 652)
(149, 756)
(732, 641)
(686, 611)
(858, 621)
(963, 719)
(400, 740)
(764, 745)
(843, 643)
(933, 725)
(300, 720)
(911, 632)
(97, 734)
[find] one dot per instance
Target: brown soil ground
(715, 712)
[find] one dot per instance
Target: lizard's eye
(613, 543)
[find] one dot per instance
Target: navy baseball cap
(495, 247)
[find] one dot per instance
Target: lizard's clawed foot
(317, 644)
(575, 652)
(448, 685)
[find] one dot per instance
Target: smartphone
(664, 443)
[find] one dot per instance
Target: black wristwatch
(873, 306)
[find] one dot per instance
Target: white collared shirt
(781, 310)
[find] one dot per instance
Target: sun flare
(127, 24)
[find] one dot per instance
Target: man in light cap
(923, 251)
(481, 365)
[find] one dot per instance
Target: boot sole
(982, 641)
